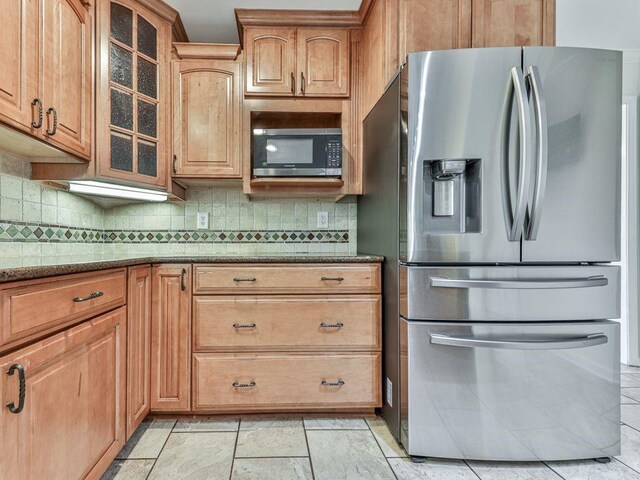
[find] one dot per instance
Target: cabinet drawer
(33, 308)
(280, 322)
(287, 278)
(260, 382)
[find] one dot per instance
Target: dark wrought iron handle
(293, 84)
(23, 388)
(183, 280)
(302, 82)
(238, 280)
(175, 159)
(339, 383)
(240, 325)
(88, 297)
(244, 385)
(38, 102)
(332, 279)
(52, 132)
(329, 325)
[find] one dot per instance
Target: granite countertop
(40, 271)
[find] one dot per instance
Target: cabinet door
(66, 75)
(271, 61)
(72, 423)
(322, 58)
(133, 86)
(19, 70)
(433, 25)
(504, 23)
(171, 338)
(138, 346)
(206, 128)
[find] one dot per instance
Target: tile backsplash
(42, 225)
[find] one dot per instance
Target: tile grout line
(553, 470)
(175, 422)
(306, 439)
(235, 448)
(393, 472)
(621, 462)
(472, 470)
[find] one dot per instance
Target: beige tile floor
(292, 448)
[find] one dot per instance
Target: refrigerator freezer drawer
(510, 293)
(547, 391)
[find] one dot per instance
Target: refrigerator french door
(511, 155)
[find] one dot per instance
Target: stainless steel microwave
(297, 152)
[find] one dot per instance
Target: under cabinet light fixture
(103, 189)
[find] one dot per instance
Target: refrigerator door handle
(539, 344)
(542, 150)
(524, 181)
(535, 283)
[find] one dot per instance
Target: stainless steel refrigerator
(492, 187)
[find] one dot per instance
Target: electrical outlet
(323, 220)
(202, 221)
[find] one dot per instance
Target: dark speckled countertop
(27, 273)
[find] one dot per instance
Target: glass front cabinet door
(133, 94)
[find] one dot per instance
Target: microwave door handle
(537, 344)
(542, 152)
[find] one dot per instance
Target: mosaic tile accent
(227, 236)
(48, 233)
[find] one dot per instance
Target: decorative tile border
(47, 233)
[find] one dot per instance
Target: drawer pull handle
(330, 325)
(23, 388)
(88, 297)
(339, 383)
(238, 280)
(244, 385)
(332, 279)
(240, 325)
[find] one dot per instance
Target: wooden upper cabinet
(19, 60)
(207, 100)
(499, 23)
(433, 25)
(323, 61)
(271, 58)
(72, 423)
(133, 92)
(171, 338)
(289, 61)
(67, 74)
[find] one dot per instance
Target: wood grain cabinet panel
(171, 338)
(19, 60)
(498, 23)
(67, 74)
(274, 322)
(207, 113)
(323, 61)
(287, 279)
(66, 300)
(73, 421)
(270, 382)
(270, 56)
(138, 346)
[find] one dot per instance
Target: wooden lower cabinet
(246, 382)
(171, 338)
(138, 346)
(72, 424)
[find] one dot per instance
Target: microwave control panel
(334, 153)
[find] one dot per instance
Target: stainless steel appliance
(492, 188)
(297, 152)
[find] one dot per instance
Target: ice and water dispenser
(453, 195)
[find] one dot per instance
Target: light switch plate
(202, 221)
(323, 220)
